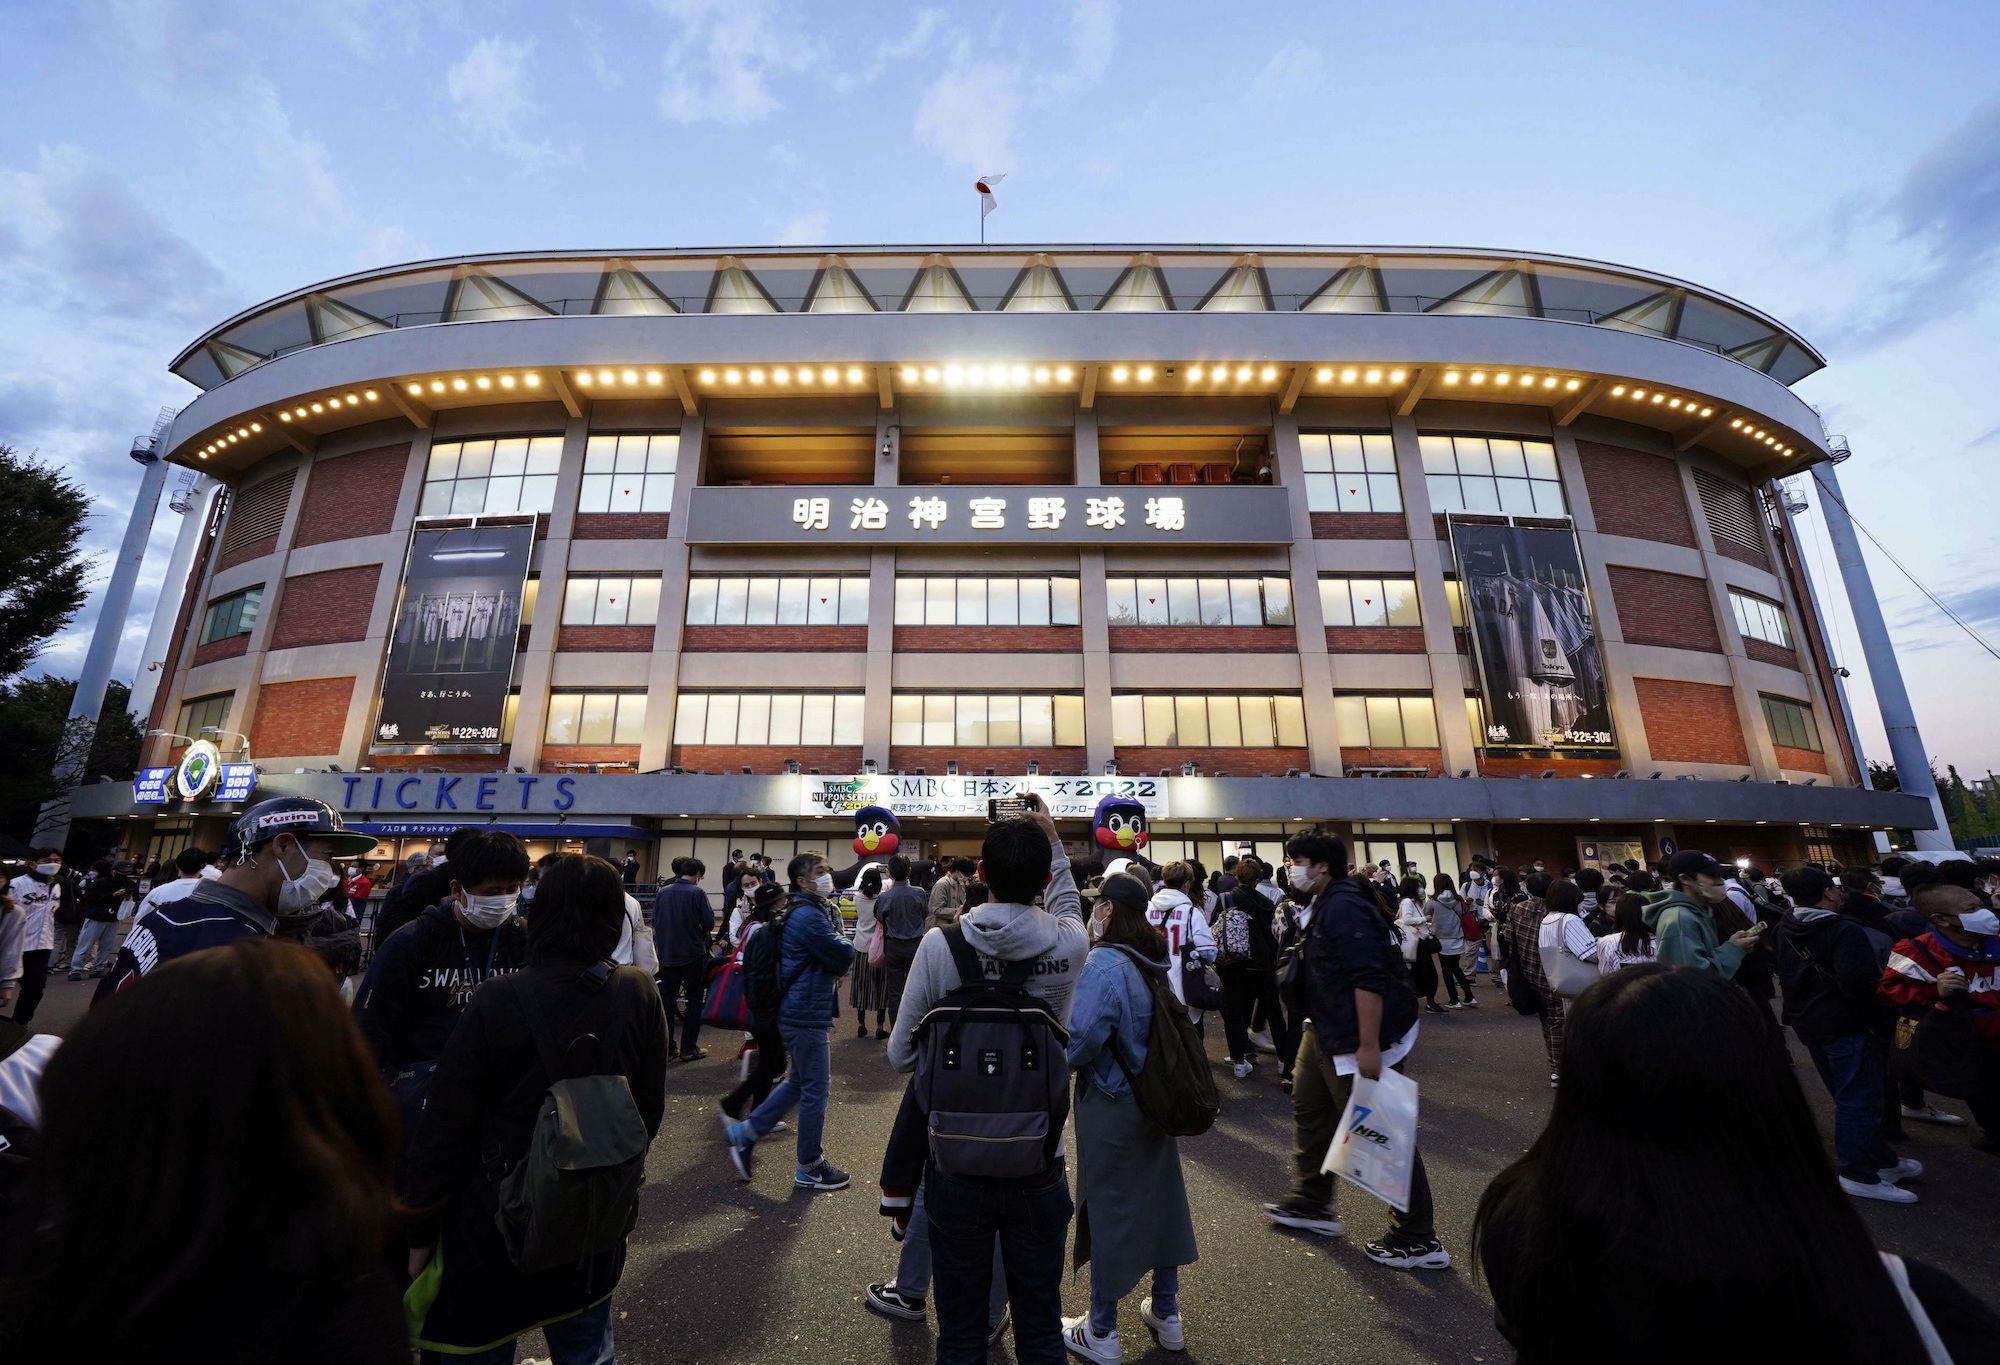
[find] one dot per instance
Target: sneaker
(1085, 1344)
(892, 1302)
(694, 1056)
(1305, 1217)
(780, 1127)
(881, 1034)
(999, 1327)
(1430, 1008)
(1241, 1069)
(1930, 1113)
(740, 1140)
(1454, 1005)
(1429, 1255)
(1167, 1333)
(824, 1176)
(1906, 1168)
(1470, 1003)
(861, 1032)
(1554, 1080)
(76, 976)
(1262, 1041)
(1881, 1189)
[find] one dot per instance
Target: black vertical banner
(451, 650)
(1541, 675)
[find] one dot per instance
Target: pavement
(720, 1271)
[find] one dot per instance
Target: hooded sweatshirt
(1829, 972)
(1684, 934)
(1001, 931)
(423, 976)
(1187, 932)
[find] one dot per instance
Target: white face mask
(1980, 922)
(48, 869)
(1300, 876)
(528, 892)
(301, 893)
(823, 883)
(486, 912)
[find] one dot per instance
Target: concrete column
(1626, 718)
(1899, 718)
(536, 664)
(663, 668)
(875, 708)
(1086, 472)
(1458, 747)
(889, 432)
(1749, 706)
(1092, 609)
(1315, 669)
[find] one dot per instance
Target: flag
(987, 203)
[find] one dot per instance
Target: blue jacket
(814, 956)
(1350, 946)
(1111, 996)
(209, 916)
(682, 924)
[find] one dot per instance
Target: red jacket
(1910, 979)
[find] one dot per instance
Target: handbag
(875, 948)
(1201, 985)
(726, 1005)
(1939, 1050)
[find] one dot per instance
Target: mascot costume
(1118, 827)
(877, 836)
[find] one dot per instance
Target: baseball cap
(1691, 862)
(1122, 888)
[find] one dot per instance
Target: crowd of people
(433, 1140)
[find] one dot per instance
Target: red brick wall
(228, 647)
(1360, 526)
(1430, 760)
(1800, 760)
(1689, 722)
(790, 639)
(352, 495)
(555, 756)
(1207, 639)
(1764, 652)
(300, 718)
(766, 758)
(1375, 639)
(1664, 609)
(620, 526)
(986, 639)
(325, 608)
(1235, 762)
(1636, 494)
(604, 639)
(243, 554)
(1742, 554)
(1004, 761)
(1498, 765)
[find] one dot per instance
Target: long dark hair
(1629, 914)
(1130, 926)
(1680, 1128)
(871, 881)
(219, 1154)
(578, 912)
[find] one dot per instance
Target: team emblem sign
(198, 770)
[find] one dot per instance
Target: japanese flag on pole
(987, 203)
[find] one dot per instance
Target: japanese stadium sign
(1068, 798)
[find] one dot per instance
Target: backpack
(1469, 925)
(1174, 1087)
(1234, 940)
(763, 955)
(575, 1194)
(1568, 974)
(992, 1072)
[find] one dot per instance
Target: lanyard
(492, 948)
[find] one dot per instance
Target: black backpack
(763, 956)
(1174, 1087)
(992, 1071)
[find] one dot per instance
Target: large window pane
(562, 723)
(631, 727)
(504, 495)
(614, 601)
(1548, 499)
(1508, 460)
(762, 608)
(1516, 498)
(443, 463)
(1212, 596)
(753, 718)
(1541, 458)
(600, 709)
(971, 727)
(1336, 604)
(1003, 720)
(1183, 602)
(972, 601)
(1442, 490)
(1160, 721)
(787, 710)
(1003, 599)
(847, 709)
(1038, 720)
(1065, 602)
(940, 602)
(544, 454)
(1480, 495)
(1258, 729)
(1246, 607)
(906, 719)
(722, 718)
(701, 602)
(1128, 719)
(510, 458)
(1034, 600)
(909, 601)
(475, 459)
(1152, 601)
(823, 602)
(816, 718)
(1225, 722)
(1121, 601)
(1313, 449)
(1350, 722)
(1420, 729)
(1384, 493)
(657, 493)
(645, 602)
(1291, 718)
(1191, 720)
(1069, 720)
(1320, 494)
(1437, 454)
(853, 601)
(937, 720)
(732, 600)
(791, 603)
(1401, 596)
(1381, 454)
(690, 717)
(1369, 608)
(1385, 723)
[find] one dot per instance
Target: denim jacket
(1110, 995)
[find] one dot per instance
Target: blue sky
(164, 163)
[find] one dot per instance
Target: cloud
(488, 87)
(967, 115)
(925, 27)
(1291, 72)
(1093, 31)
(719, 63)
(802, 229)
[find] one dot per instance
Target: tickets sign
(962, 797)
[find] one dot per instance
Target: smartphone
(1759, 927)
(1008, 807)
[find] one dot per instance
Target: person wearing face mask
(1955, 968)
(37, 894)
(359, 889)
(421, 978)
(277, 861)
(683, 922)
(1682, 917)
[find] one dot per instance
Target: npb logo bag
(1377, 1144)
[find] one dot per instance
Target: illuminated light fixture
(975, 375)
(1637, 394)
(1322, 375)
(371, 395)
(854, 374)
(284, 417)
(230, 439)
(506, 382)
(483, 382)
(954, 375)
(756, 376)
(1618, 391)
(318, 408)
(732, 376)
(1736, 423)
(909, 374)
(1064, 374)
(437, 386)
(930, 374)
(1194, 374)
(300, 411)
(243, 431)
(655, 377)
(1659, 398)
(204, 454)
(1674, 403)
(1145, 373)
(1218, 374)
(1503, 378)
(1479, 376)
(1243, 374)
(416, 391)
(458, 385)
(1573, 385)
(352, 401)
(628, 376)
(1398, 376)
(1019, 374)
(1708, 412)
(1121, 374)
(532, 380)
(1349, 375)
(1268, 373)
(1373, 376)
(781, 375)
(1451, 376)
(606, 377)
(1041, 374)
(583, 379)
(706, 376)
(829, 375)
(1550, 382)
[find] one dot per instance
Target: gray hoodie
(1008, 933)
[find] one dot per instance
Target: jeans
(1852, 1068)
(1319, 1099)
(691, 979)
(913, 1265)
(1031, 1218)
(1166, 1300)
(805, 1085)
(764, 1073)
(34, 980)
(582, 1340)
(100, 935)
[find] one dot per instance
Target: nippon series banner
(1068, 798)
(451, 653)
(1541, 674)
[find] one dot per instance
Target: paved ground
(725, 1272)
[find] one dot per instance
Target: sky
(165, 163)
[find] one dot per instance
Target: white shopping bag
(1377, 1144)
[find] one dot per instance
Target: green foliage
(1974, 818)
(41, 570)
(33, 735)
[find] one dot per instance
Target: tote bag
(1376, 1147)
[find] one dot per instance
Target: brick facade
(604, 639)
(1800, 760)
(1374, 639)
(1664, 609)
(297, 719)
(183, 621)
(1204, 639)
(1429, 760)
(1742, 554)
(327, 608)
(1689, 722)
(244, 553)
(1636, 494)
(352, 495)
(1764, 652)
(1271, 762)
(986, 639)
(619, 526)
(791, 639)
(1005, 761)
(765, 759)
(561, 758)
(228, 647)
(1360, 526)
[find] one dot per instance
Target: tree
(1972, 819)
(36, 735)
(41, 568)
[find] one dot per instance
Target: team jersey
(209, 916)
(1910, 979)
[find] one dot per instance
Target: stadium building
(685, 551)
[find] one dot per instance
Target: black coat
(422, 978)
(1263, 943)
(1828, 968)
(1351, 946)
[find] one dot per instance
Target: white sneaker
(1085, 1344)
(1881, 1189)
(1930, 1113)
(1167, 1332)
(1906, 1168)
(1241, 1069)
(1262, 1041)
